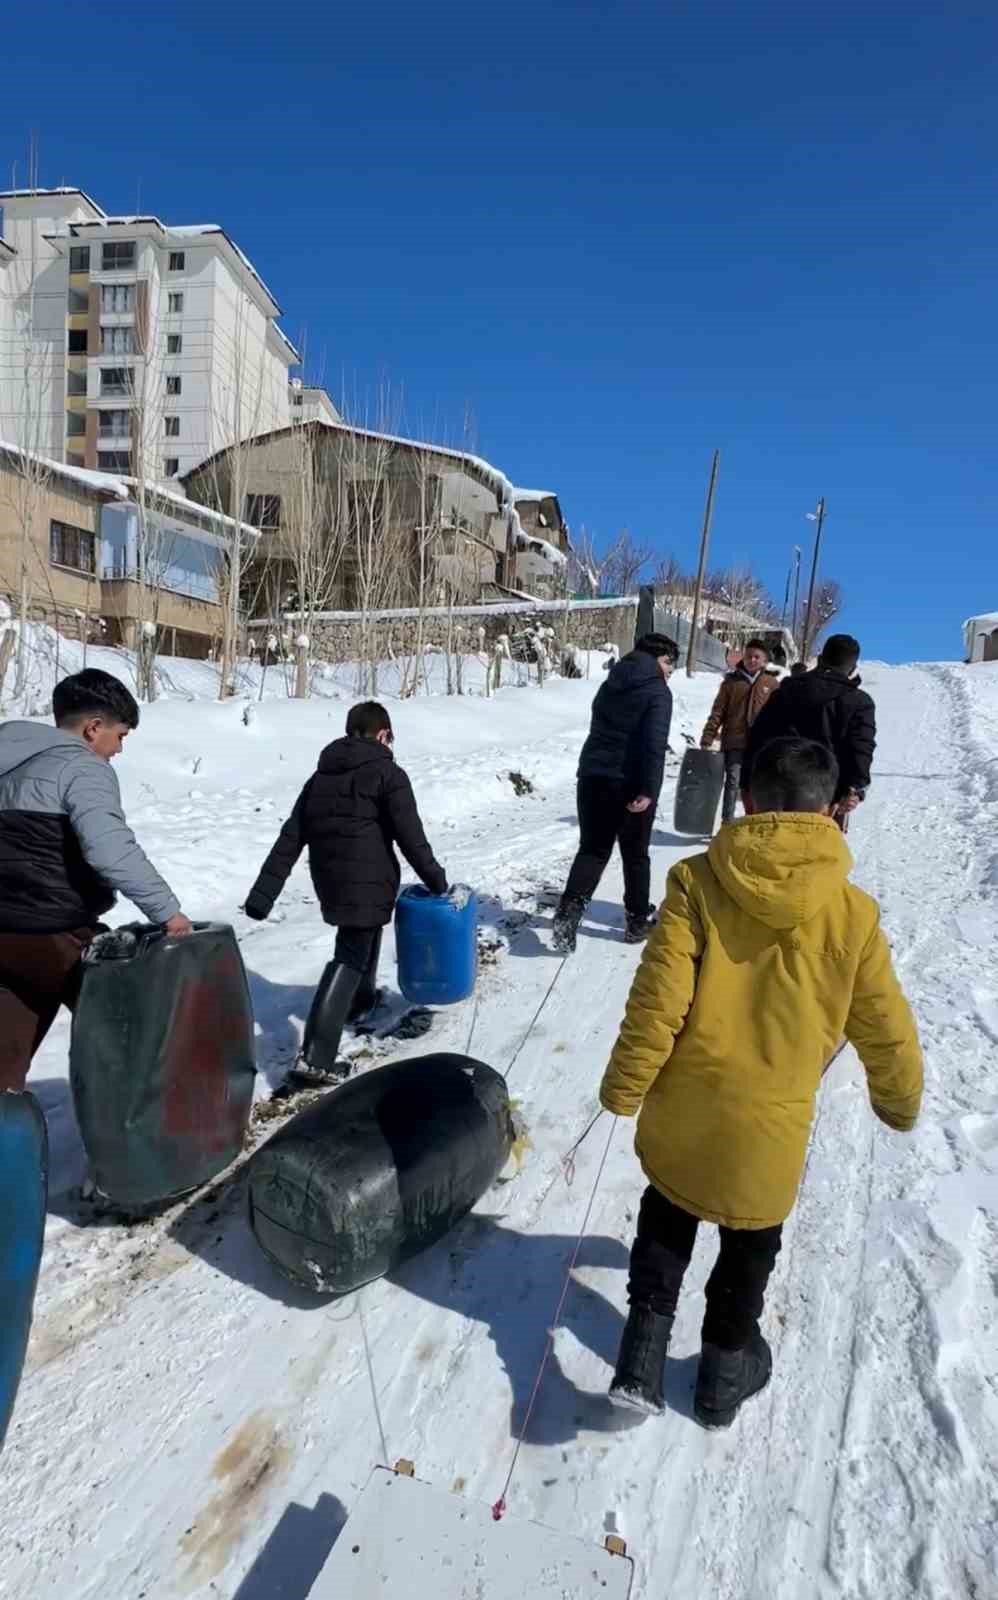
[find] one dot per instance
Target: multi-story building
(130, 346)
(98, 555)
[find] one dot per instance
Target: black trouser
(604, 821)
(736, 1287)
(732, 783)
(359, 948)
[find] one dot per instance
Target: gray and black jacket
(65, 847)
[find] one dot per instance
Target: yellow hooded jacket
(764, 957)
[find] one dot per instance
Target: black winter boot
(326, 1019)
(727, 1378)
(638, 928)
(637, 1382)
(566, 924)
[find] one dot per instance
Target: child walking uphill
(351, 813)
(764, 957)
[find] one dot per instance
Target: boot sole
(714, 1421)
(628, 1401)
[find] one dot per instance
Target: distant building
(310, 404)
(980, 637)
(85, 540)
(406, 519)
(129, 345)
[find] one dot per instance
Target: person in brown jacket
(740, 698)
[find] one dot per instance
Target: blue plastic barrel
(436, 946)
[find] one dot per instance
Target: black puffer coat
(629, 735)
(357, 806)
(829, 708)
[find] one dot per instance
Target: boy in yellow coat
(764, 957)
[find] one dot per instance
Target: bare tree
(670, 578)
(827, 605)
(625, 562)
(31, 391)
(313, 536)
(607, 569)
(744, 591)
(586, 564)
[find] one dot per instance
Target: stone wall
(340, 635)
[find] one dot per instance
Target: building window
(117, 381)
(78, 302)
(77, 344)
(76, 425)
(171, 466)
(175, 304)
(79, 258)
(262, 510)
(298, 400)
(173, 384)
(118, 255)
(116, 423)
(172, 426)
(174, 344)
(118, 341)
(178, 260)
(72, 547)
(76, 382)
(114, 460)
(117, 297)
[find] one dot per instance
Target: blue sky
(611, 238)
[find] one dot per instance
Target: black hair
(840, 652)
(658, 644)
(798, 669)
(757, 644)
(793, 775)
(94, 694)
(367, 720)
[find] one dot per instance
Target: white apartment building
(131, 346)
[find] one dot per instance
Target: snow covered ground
(190, 1426)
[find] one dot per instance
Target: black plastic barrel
(698, 791)
(378, 1169)
(23, 1200)
(162, 1060)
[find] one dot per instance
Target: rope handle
(568, 1160)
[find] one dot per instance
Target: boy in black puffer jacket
(620, 775)
(351, 813)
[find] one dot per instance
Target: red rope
(500, 1505)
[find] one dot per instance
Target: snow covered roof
(32, 194)
(534, 495)
(477, 466)
(984, 623)
(106, 482)
(182, 231)
(115, 486)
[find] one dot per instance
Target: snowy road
(190, 1427)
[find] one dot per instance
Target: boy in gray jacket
(65, 850)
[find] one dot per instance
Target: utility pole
(704, 541)
(794, 566)
(820, 519)
(796, 610)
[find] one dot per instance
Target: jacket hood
(781, 867)
(22, 741)
(633, 671)
(346, 755)
(825, 684)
